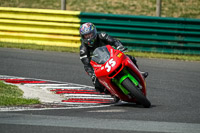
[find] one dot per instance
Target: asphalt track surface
(172, 87)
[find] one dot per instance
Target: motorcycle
(119, 75)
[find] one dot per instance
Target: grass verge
(166, 56)
(170, 8)
(76, 50)
(38, 47)
(12, 95)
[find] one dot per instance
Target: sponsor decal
(103, 34)
(97, 65)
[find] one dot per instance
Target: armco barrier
(61, 28)
(39, 26)
(153, 34)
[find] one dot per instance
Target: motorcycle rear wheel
(136, 92)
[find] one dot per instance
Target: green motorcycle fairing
(118, 82)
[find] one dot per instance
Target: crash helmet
(88, 33)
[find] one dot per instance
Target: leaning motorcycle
(119, 75)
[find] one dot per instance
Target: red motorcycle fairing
(142, 82)
(112, 67)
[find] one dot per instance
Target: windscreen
(101, 55)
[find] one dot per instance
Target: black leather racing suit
(85, 52)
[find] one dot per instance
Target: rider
(90, 40)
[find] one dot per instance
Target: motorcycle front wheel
(136, 92)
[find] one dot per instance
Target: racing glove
(121, 48)
(93, 77)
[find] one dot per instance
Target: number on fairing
(111, 63)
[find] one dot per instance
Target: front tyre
(135, 92)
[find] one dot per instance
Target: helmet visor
(88, 36)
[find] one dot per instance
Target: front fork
(118, 81)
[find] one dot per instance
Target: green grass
(39, 47)
(166, 56)
(12, 95)
(170, 8)
(76, 50)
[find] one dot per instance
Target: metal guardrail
(61, 28)
(150, 34)
(40, 26)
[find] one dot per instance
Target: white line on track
(87, 95)
(81, 106)
(59, 82)
(99, 123)
(92, 98)
(61, 87)
(45, 84)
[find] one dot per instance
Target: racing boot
(144, 74)
(100, 88)
(106, 91)
(116, 99)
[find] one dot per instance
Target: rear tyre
(136, 92)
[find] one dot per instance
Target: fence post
(158, 7)
(63, 4)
